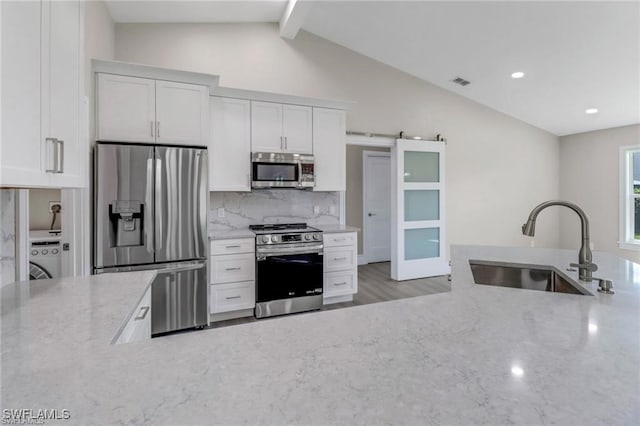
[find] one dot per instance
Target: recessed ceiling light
(517, 74)
(591, 111)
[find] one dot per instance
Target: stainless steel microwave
(279, 170)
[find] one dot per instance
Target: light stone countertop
(229, 234)
(477, 354)
(334, 229)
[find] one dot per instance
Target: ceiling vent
(460, 81)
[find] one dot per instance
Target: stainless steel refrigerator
(150, 212)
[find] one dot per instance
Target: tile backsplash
(242, 209)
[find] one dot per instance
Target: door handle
(232, 297)
(286, 143)
(52, 154)
(148, 206)
(282, 142)
(158, 129)
(151, 122)
(158, 205)
(372, 214)
(60, 150)
(142, 316)
(232, 269)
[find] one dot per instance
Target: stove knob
(265, 238)
(45, 251)
(316, 236)
(307, 237)
(275, 238)
(34, 252)
(54, 251)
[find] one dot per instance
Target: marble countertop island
(475, 355)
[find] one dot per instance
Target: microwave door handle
(299, 173)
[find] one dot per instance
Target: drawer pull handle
(339, 239)
(232, 269)
(342, 283)
(236, 246)
(339, 258)
(232, 297)
(142, 316)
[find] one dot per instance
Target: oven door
(288, 282)
(275, 175)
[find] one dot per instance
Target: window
(630, 197)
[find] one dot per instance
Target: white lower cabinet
(232, 296)
(139, 325)
(232, 290)
(340, 267)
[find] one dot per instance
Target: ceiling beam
(293, 18)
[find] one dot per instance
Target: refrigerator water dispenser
(127, 224)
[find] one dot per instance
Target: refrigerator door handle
(200, 194)
(148, 207)
(158, 204)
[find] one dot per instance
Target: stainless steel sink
(515, 276)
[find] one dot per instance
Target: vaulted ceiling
(574, 55)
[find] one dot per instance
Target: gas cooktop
(270, 228)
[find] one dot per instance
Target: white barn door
(418, 222)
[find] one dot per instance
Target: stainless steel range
(289, 268)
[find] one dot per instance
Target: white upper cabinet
(329, 149)
(182, 113)
(281, 128)
(230, 145)
(266, 127)
(297, 124)
(135, 109)
(62, 92)
(126, 108)
(42, 86)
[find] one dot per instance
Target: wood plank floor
(375, 285)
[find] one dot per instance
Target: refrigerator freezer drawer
(179, 298)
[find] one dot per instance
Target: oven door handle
(262, 255)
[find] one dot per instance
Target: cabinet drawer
(339, 258)
(139, 325)
(233, 268)
(340, 239)
(239, 245)
(340, 283)
(232, 297)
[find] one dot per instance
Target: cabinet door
(182, 113)
(329, 149)
(62, 93)
(266, 127)
(22, 161)
(126, 109)
(230, 146)
(298, 129)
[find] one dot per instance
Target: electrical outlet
(220, 212)
(53, 204)
(316, 209)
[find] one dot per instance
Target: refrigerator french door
(151, 213)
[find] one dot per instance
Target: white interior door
(376, 206)
(418, 191)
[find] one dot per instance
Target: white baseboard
(362, 260)
(337, 299)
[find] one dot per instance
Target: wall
(590, 177)
(39, 215)
(353, 196)
(7, 236)
(99, 40)
(273, 206)
(498, 167)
